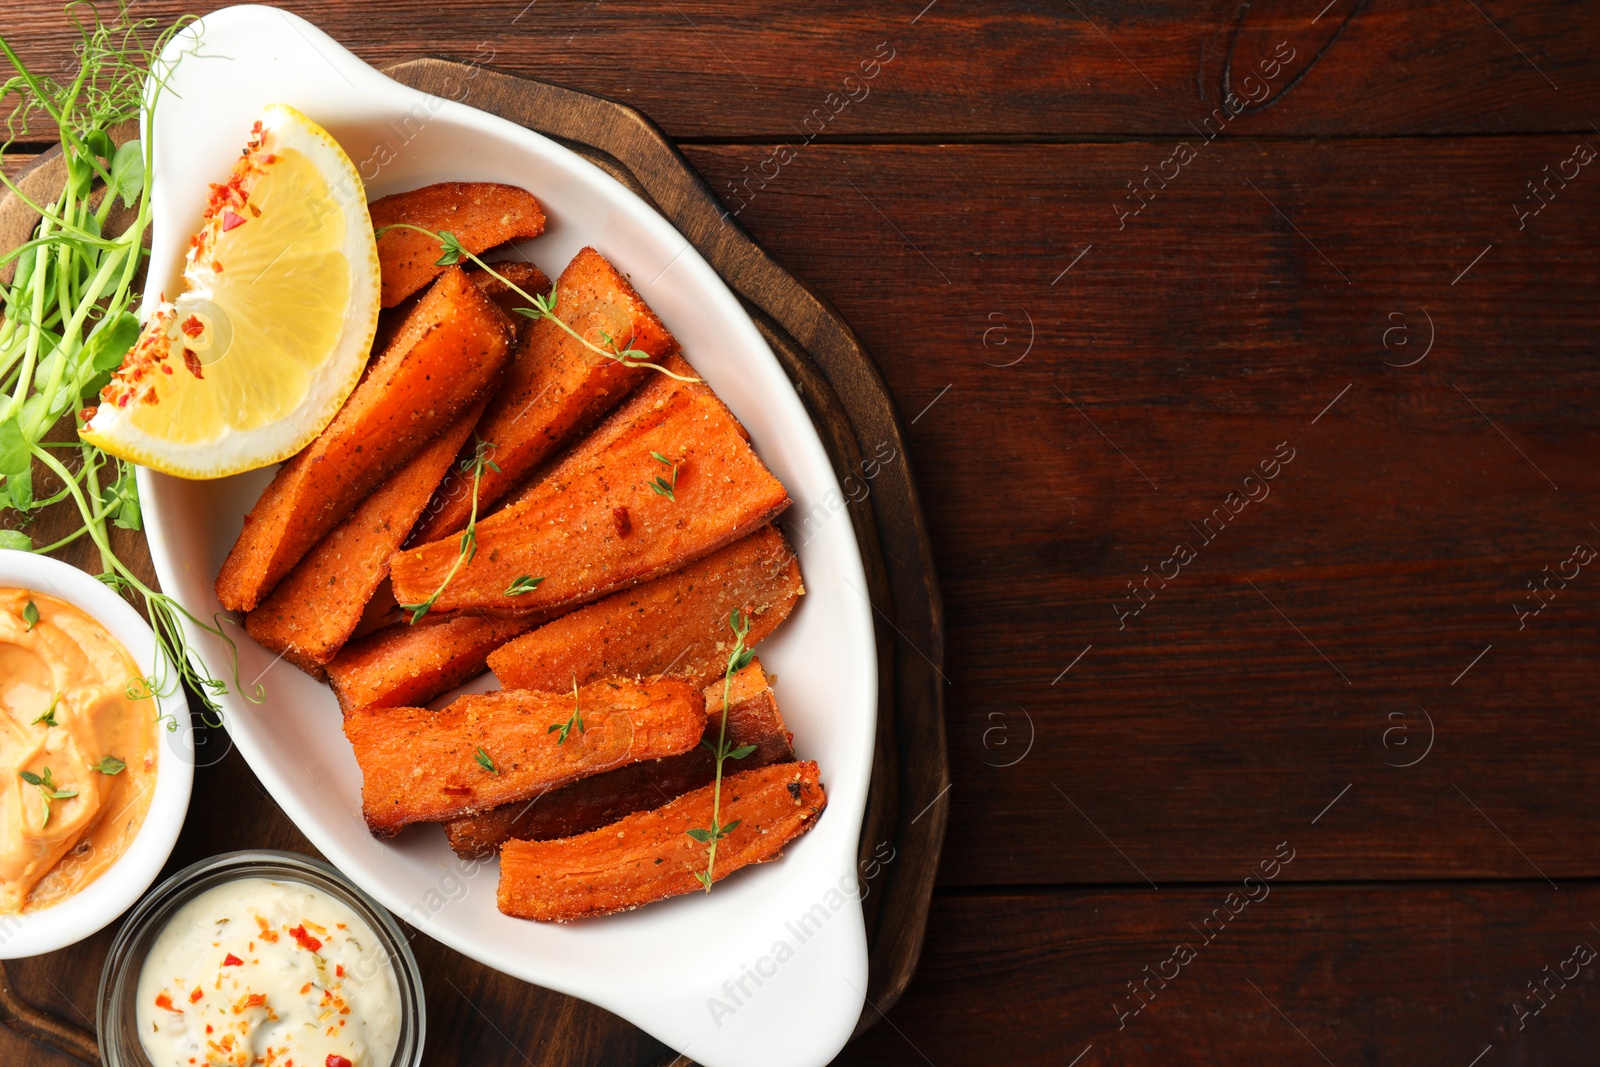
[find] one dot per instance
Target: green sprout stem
(69, 311)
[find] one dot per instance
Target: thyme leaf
(475, 465)
(48, 715)
(540, 307)
(574, 721)
(661, 485)
(525, 584)
(738, 659)
(109, 765)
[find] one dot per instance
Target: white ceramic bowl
(114, 892)
(771, 967)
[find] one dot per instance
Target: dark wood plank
(962, 68)
(1191, 343)
(1304, 976)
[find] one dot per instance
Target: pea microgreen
(67, 317)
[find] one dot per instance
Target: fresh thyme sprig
(574, 721)
(475, 465)
(68, 313)
(48, 788)
(109, 765)
(481, 757)
(738, 660)
(543, 307)
(661, 485)
(527, 583)
(48, 716)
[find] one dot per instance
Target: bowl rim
(115, 889)
(124, 962)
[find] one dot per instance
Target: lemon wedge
(275, 322)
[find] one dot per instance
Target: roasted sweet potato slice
(650, 856)
(524, 275)
(446, 355)
(317, 606)
(402, 664)
(488, 749)
(599, 522)
(480, 214)
(591, 803)
(556, 387)
(677, 623)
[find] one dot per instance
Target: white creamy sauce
(275, 973)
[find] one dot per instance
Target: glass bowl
(119, 982)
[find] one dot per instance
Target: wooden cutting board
(473, 1011)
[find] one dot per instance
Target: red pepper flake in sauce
(231, 221)
(338, 968)
(252, 1000)
(230, 960)
(305, 940)
(335, 1060)
(164, 1002)
(192, 326)
(194, 997)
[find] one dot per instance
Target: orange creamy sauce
(64, 706)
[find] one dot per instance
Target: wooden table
(1248, 354)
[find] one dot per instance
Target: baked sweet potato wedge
(480, 214)
(556, 387)
(585, 805)
(649, 856)
(317, 606)
(600, 521)
(488, 749)
(404, 665)
(445, 356)
(677, 623)
(519, 272)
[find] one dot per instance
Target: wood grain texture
(1309, 975)
(1166, 364)
(963, 68)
